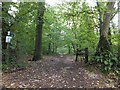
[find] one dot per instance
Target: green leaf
(111, 63)
(105, 62)
(106, 68)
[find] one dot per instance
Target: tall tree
(5, 27)
(0, 34)
(104, 43)
(38, 41)
(119, 31)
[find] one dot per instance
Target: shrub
(109, 62)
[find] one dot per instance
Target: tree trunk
(53, 47)
(0, 37)
(38, 41)
(49, 47)
(69, 49)
(109, 35)
(5, 28)
(104, 43)
(119, 32)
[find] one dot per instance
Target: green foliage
(56, 31)
(109, 61)
(66, 27)
(11, 64)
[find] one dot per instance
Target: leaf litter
(54, 71)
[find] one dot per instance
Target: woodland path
(58, 72)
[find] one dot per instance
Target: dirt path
(57, 71)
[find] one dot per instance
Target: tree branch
(100, 15)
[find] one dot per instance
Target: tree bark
(119, 32)
(104, 43)
(5, 28)
(69, 49)
(53, 47)
(109, 34)
(49, 45)
(38, 41)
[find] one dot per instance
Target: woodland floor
(55, 71)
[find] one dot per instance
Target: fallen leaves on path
(55, 72)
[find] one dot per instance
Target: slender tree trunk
(69, 49)
(53, 48)
(38, 41)
(0, 37)
(49, 44)
(5, 28)
(49, 47)
(119, 31)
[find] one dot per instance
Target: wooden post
(86, 55)
(8, 52)
(76, 55)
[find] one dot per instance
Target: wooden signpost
(8, 41)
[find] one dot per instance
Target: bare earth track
(55, 72)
